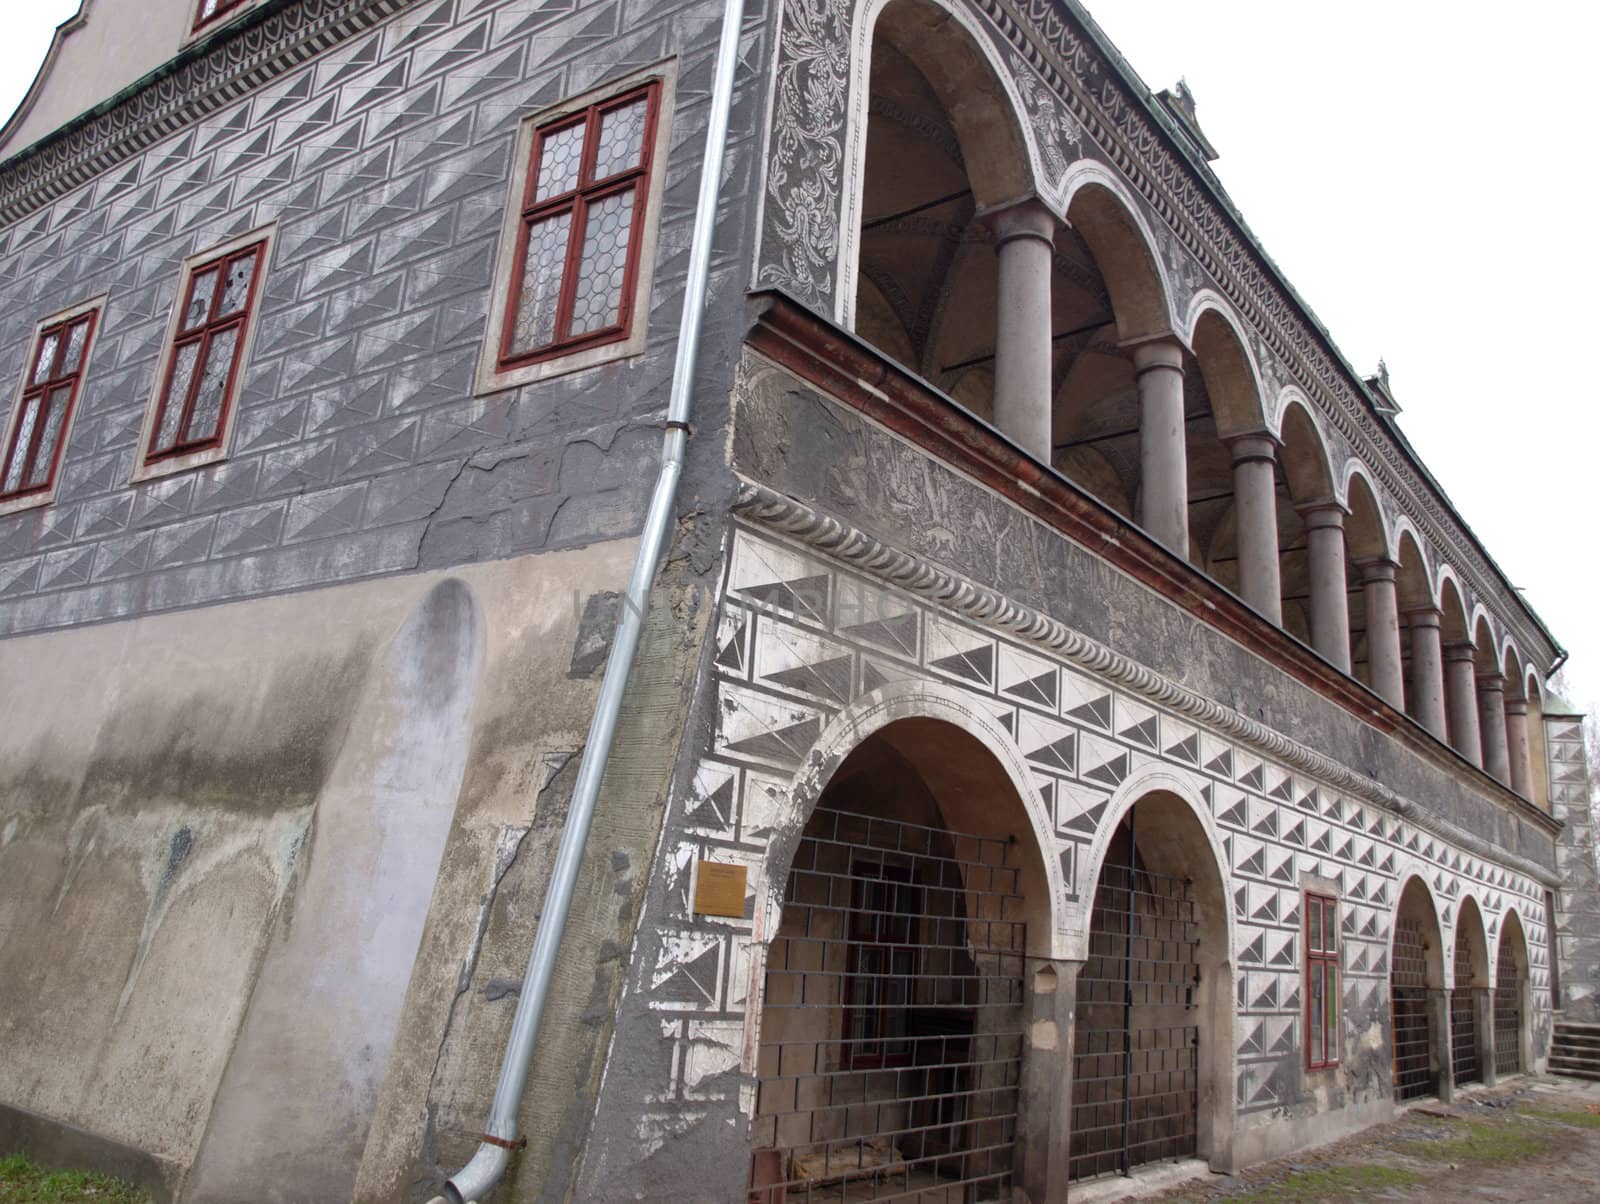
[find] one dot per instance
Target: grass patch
(21, 1182)
(1582, 1118)
(1482, 1144)
(1336, 1183)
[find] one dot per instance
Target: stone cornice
(1046, 33)
(198, 81)
(933, 583)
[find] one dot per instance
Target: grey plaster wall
(360, 448)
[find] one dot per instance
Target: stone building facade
(1070, 728)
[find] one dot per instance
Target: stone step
(1563, 1062)
(1575, 1072)
(1575, 1059)
(1563, 1041)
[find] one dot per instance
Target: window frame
(498, 368)
(229, 8)
(1323, 960)
(25, 498)
(150, 463)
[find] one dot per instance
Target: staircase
(1575, 1051)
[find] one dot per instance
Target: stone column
(1255, 508)
(1383, 630)
(1483, 1003)
(1519, 752)
(1163, 452)
(1044, 1126)
(1427, 669)
(1492, 726)
(1439, 1001)
(1025, 248)
(1460, 700)
(1330, 604)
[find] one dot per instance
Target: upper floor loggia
(1047, 300)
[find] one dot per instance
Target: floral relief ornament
(804, 165)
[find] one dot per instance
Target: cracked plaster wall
(172, 797)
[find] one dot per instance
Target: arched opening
(1221, 405)
(1106, 291)
(1471, 984)
(1364, 539)
(1306, 481)
(943, 145)
(1510, 997)
(1538, 752)
(1151, 1069)
(892, 1053)
(1414, 597)
(1416, 971)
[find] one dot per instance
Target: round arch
(1226, 363)
(1483, 642)
(1469, 981)
(1169, 850)
(1471, 936)
(1412, 582)
(949, 47)
(1307, 465)
(1416, 973)
(1366, 532)
(1512, 1052)
(1452, 607)
(868, 716)
(1103, 211)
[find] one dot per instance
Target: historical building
(823, 503)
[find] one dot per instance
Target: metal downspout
(479, 1177)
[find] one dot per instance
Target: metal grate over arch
(892, 1028)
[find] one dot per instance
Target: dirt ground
(1536, 1139)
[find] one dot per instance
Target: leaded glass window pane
(24, 438)
(46, 357)
(183, 365)
(236, 288)
(213, 386)
(560, 157)
(199, 307)
(621, 139)
(55, 414)
(604, 263)
(541, 283)
(72, 358)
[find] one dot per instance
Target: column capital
(1323, 512)
(1516, 706)
(1022, 219)
(1259, 444)
(1377, 568)
(1423, 616)
(1491, 683)
(1459, 650)
(1164, 351)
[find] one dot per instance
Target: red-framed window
(200, 372)
(581, 229)
(51, 378)
(884, 962)
(211, 10)
(1322, 981)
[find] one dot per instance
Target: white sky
(1421, 172)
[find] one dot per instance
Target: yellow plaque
(719, 889)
